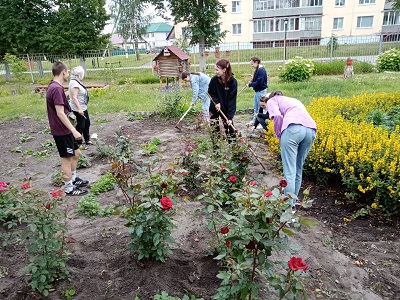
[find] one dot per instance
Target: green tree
(17, 67)
(76, 26)
(202, 17)
(396, 4)
(131, 22)
(22, 25)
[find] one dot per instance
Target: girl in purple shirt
(296, 131)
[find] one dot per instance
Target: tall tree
(131, 21)
(76, 27)
(396, 4)
(22, 25)
(202, 17)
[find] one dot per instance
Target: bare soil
(358, 260)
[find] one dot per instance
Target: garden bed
(356, 260)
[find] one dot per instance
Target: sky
(109, 27)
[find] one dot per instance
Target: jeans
(205, 106)
(296, 142)
(263, 122)
(256, 105)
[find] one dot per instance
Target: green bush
(389, 61)
(297, 69)
(336, 67)
(89, 206)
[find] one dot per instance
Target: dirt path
(357, 261)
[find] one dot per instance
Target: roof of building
(175, 50)
(158, 27)
(171, 34)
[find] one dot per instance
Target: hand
(252, 128)
(229, 122)
(77, 135)
(218, 107)
(81, 112)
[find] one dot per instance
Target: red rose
(283, 183)
(164, 185)
(268, 194)
(261, 135)
(232, 179)
(296, 263)
(228, 243)
(56, 193)
(25, 186)
(224, 230)
(244, 158)
(47, 206)
(251, 245)
(166, 203)
(3, 186)
(236, 131)
(223, 168)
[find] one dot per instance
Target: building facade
(268, 23)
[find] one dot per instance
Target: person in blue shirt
(259, 83)
(199, 83)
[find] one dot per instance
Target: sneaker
(259, 126)
(80, 182)
(76, 192)
(251, 123)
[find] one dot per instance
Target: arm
(64, 119)
(74, 96)
(194, 82)
(275, 115)
(261, 77)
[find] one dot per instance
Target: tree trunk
(83, 63)
(202, 58)
(137, 49)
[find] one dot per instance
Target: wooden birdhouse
(170, 63)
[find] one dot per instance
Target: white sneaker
(259, 126)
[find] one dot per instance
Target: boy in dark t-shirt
(64, 133)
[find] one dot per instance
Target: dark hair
(275, 93)
(186, 74)
(224, 64)
(256, 59)
(264, 98)
(58, 67)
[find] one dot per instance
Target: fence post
(8, 72)
(331, 54)
(30, 67)
(380, 44)
(40, 67)
(238, 55)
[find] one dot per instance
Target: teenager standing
(259, 84)
(64, 133)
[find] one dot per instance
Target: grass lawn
(144, 97)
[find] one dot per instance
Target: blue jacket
(199, 84)
(259, 82)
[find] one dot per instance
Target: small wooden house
(170, 63)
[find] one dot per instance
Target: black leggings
(83, 125)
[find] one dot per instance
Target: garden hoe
(237, 132)
(177, 126)
(241, 91)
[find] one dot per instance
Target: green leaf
(310, 223)
(210, 209)
(288, 231)
(221, 256)
(261, 258)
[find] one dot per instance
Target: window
(340, 2)
(310, 23)
(263, 5)
(391, 18)
(337, 23)
(365, 22)
(236, 6)
(236, 28)
(287, 3)
(266, 25)
(366, 1)
(306, 3)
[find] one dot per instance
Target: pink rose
(232, 179)
(242, 140)
(166, 203)
(253, 183)
(56, 193)
(3, 187)
(224, 230)
(25, 186)
(296, 263)
(268, 194)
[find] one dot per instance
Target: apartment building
(268, 23)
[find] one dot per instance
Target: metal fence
(366, 49)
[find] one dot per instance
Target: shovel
(177, 126)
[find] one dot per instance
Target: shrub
(170, 103)
(297, 69)
(56, 178)
(336, 67)
(89, 206)
(389, 60)
(83, 162)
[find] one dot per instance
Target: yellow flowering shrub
(366, 158)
